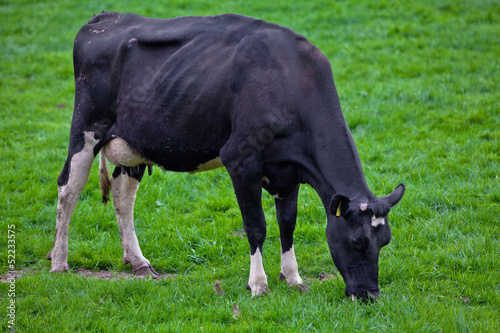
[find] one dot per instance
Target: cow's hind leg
(124, 187)
(71, 182)
(286, 211)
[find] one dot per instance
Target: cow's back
(183, 81)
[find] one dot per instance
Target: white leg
(290, 270)
(124, 189)
(258, 279)
(69, 194)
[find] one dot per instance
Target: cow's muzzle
(369, 295)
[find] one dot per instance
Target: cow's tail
(104, 178)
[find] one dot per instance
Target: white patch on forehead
(376, 221)
(212, 164)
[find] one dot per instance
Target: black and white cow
(196, 93)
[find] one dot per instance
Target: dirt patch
(105, 275)
(325, 276)
(322, 277)
(112, 276)
(218, 288)
(102, 274)
(7, 277)
(240, 234)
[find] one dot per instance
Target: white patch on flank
(258, 278)
(69, 194)
(212, 164)
(289, 267)
(376, 221)
(120, 153)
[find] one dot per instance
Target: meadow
(419, 85)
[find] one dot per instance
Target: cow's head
(356, 231)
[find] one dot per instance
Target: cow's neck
(339, 168)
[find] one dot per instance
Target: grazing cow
(196, 93)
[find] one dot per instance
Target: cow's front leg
(248, 190)
(71, 182)
(255, 228)
(286, 211)
(124, 189)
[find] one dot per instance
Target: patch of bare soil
(325, 276)
(102, 274)
(109, 275)
(240, 234)
(322, 277)
(218, 288)
(7, 277)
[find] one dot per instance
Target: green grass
(419, 85)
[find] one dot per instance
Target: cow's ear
(339, 206)
(396, 195)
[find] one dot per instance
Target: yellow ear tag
(338, 210)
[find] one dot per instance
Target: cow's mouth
(370, 295)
